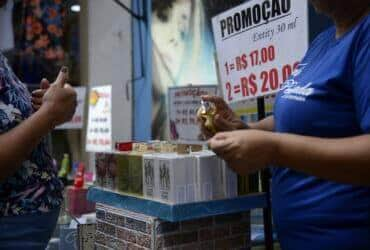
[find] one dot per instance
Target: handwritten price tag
(183, 103)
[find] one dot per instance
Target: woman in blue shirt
(318, 140)
(30, 192)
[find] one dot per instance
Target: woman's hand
(245, 151)
(38, 94)
(224, 120)
(60, 100)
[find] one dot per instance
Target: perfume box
(208, 176)
(135, 169)
(105, 166)
(122, 173)
(130, 173)
(101, 169)
(111, 176)
(229, 181)
(150, 177)
(176, 175)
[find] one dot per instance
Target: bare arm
(266, 124)
(344, 160)
(17, 144)
(57, 107)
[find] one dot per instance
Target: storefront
(138, 170)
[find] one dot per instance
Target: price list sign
(259, 44)
(183, 104)
(99, 126)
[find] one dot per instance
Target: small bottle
(79, 177)
(65, 167)
(206, 112)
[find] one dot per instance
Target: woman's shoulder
(324, 37)
(361, 41)
(318, 45)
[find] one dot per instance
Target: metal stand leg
(267, 220)
(265, 178)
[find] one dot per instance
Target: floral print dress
(35, 187)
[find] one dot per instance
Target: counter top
(178, 212)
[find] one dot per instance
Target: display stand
(181, 212)
(127, 222)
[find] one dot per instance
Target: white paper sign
(259, 44)
(183, 103)
(99, 127)
(78, 118)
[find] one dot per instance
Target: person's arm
(266, 124)
(17, 144)
(58, 106)
(344, 160)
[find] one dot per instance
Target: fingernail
(64, 69)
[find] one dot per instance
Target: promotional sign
(259, 44)
(78, 117)
(99, 126)
(183, 103)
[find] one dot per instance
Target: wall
(106, 58)
(183, 50)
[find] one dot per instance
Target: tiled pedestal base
(121, 229)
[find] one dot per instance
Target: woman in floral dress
(30, 192)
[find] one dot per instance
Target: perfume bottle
(206, 113)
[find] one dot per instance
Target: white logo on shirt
(292, 90)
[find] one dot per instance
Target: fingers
(36, 100)
(222, 124)
(217, 142)
(44, 84)
(208, 134)
(68, 86)
(71, 90)
(216, 100)
(221, 136)
(38, 93)
(36, 107)
(222, 148)
(62, 77)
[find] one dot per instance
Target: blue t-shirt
(328, 96)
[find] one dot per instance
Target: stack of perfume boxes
(173, 178)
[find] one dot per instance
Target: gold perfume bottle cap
(206, 113)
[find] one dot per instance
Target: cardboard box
(101, 169)
(150, 177)
(135, 165)
(208, 176)
(77, 201)
(130, 173)
(230, 181)
(176, 178)
(111, 176)
(122, 173)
